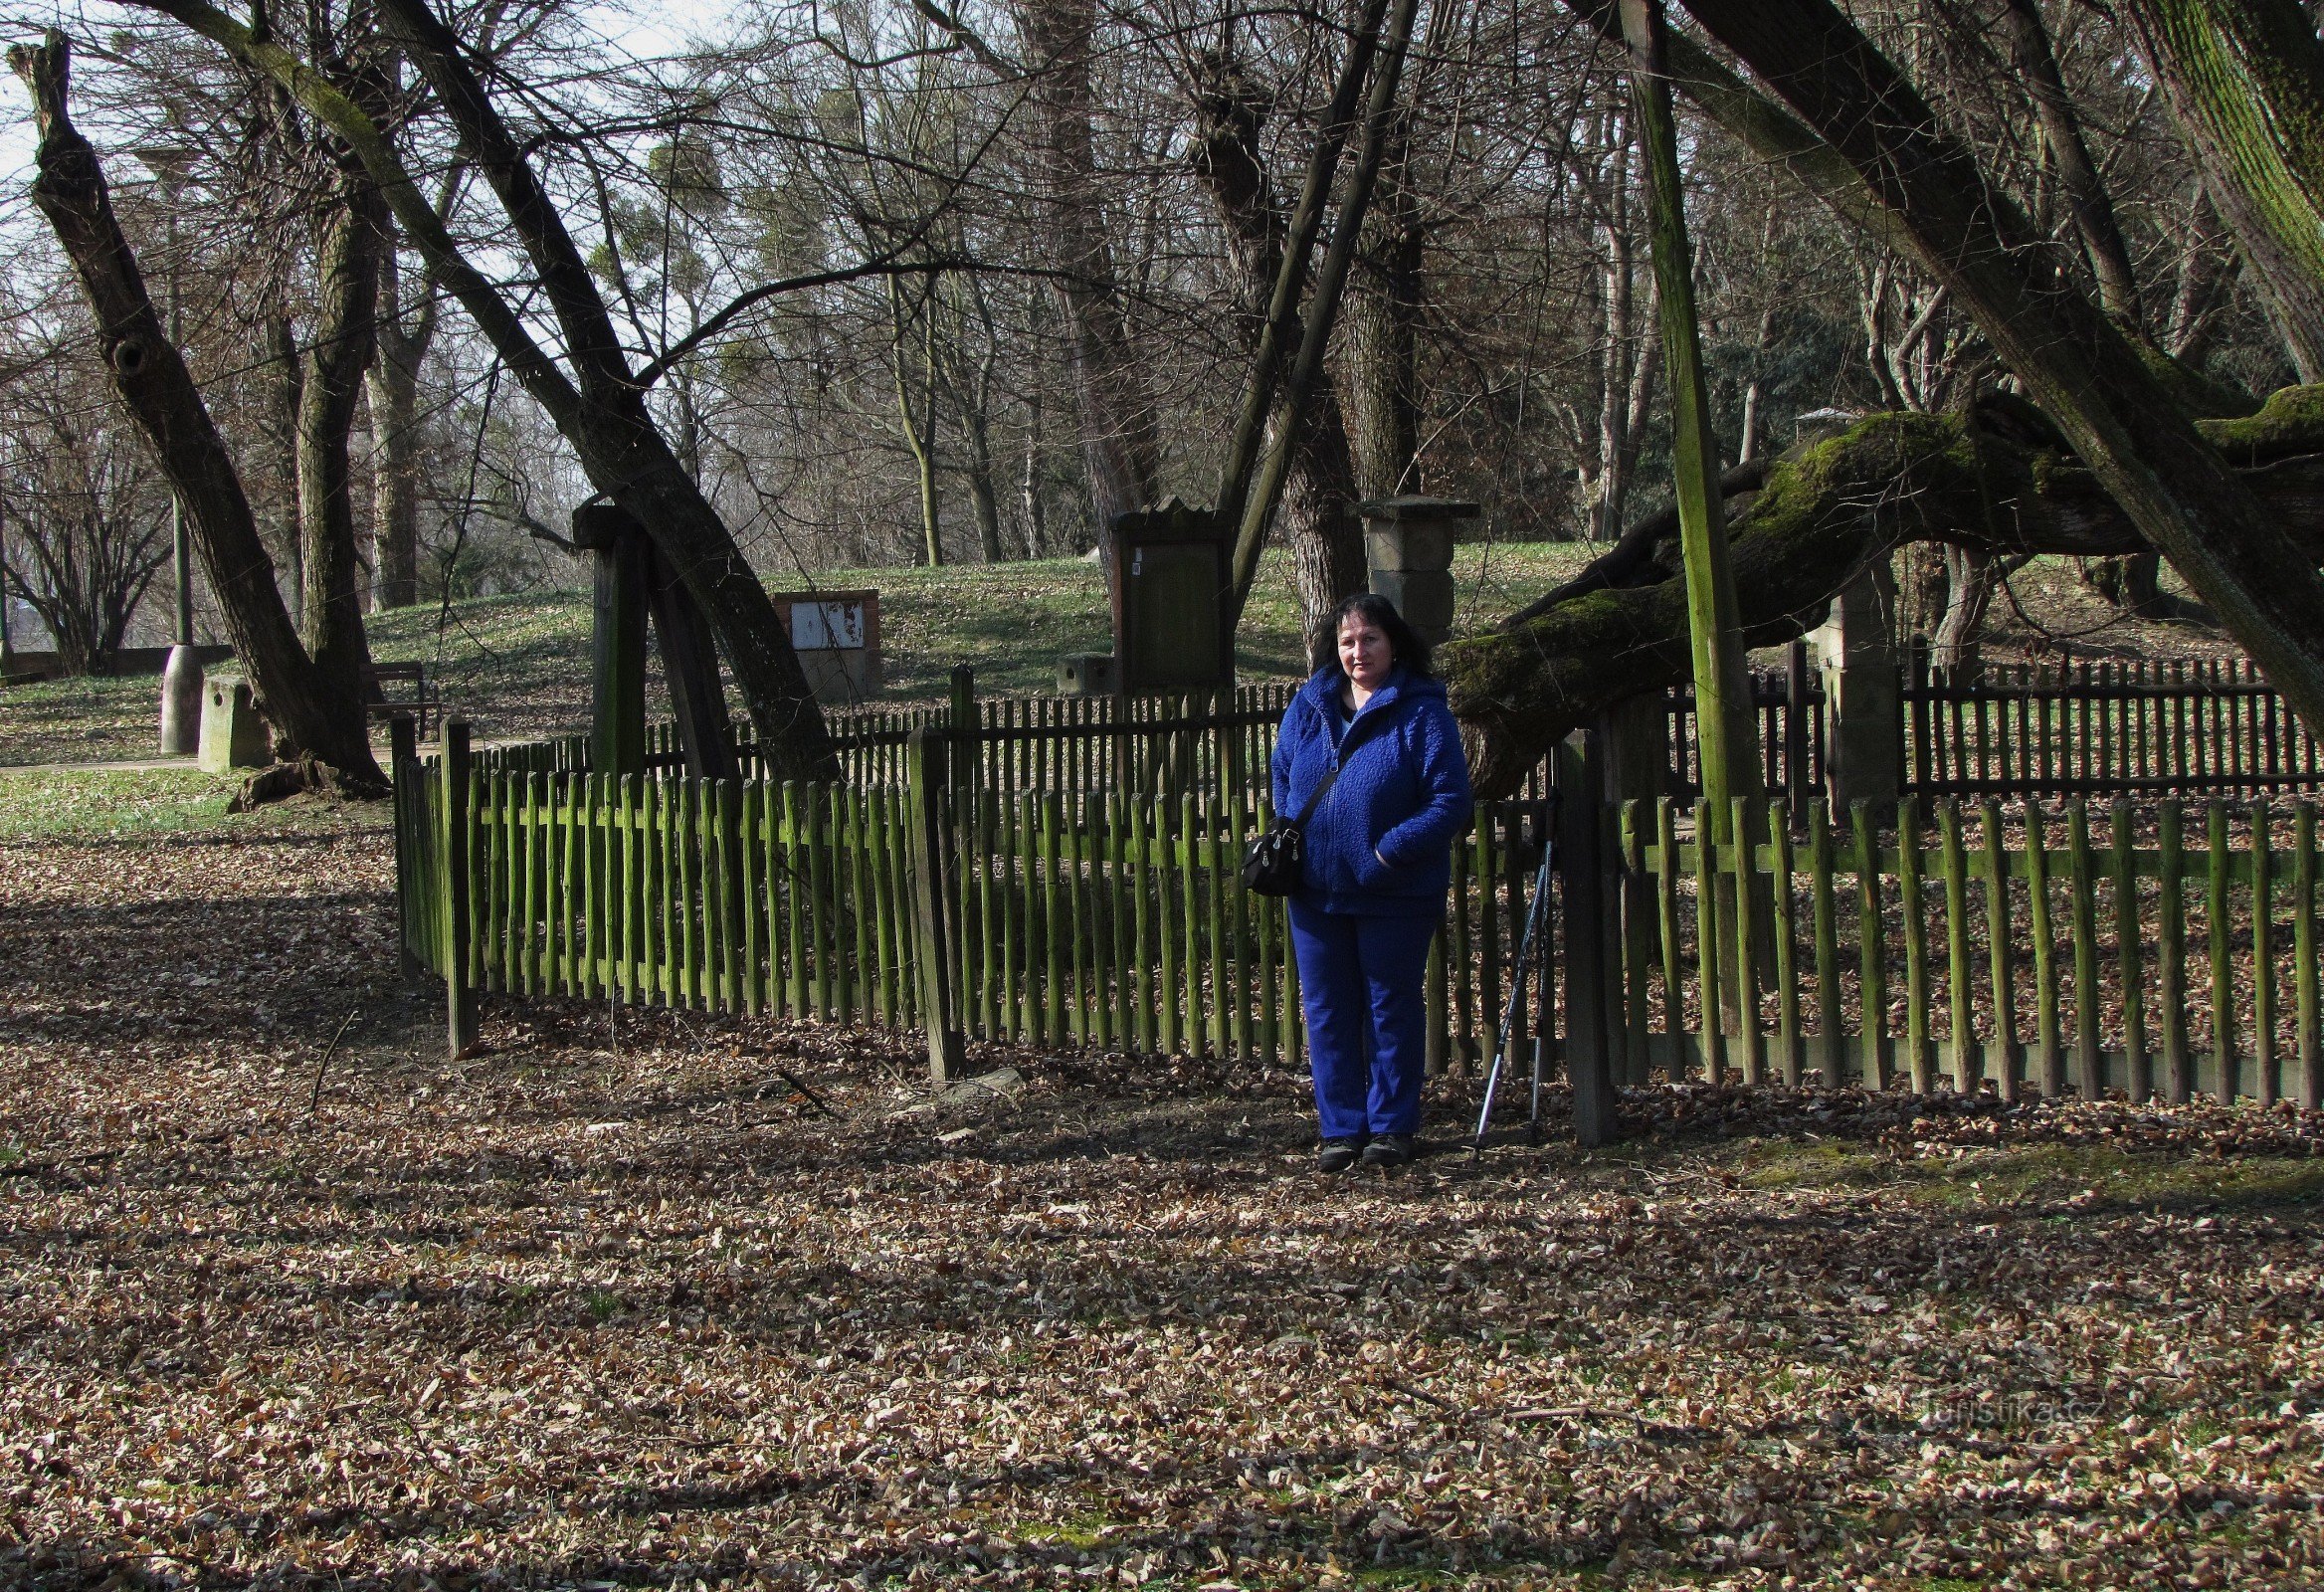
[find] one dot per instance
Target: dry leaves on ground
(644, 1298)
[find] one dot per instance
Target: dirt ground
(652, 1298)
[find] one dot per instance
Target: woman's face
(1364, 653)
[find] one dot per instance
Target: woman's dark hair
(1405, 647)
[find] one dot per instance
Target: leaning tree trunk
(2114, 409)
(1317, 515)
(600, 408)
(1994, 479)
(2069, 157)
(347, 284)
(151, 380)
(2244, 80)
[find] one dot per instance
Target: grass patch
(80, 721)
(2036, 1174)
(83, 804)
(97, 804)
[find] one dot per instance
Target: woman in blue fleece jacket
(1378, 860)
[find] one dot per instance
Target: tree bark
(2244, 78)
(392, 391)
(151, 380)
(282, 381)
(1120, 427)
(347, 286)
(1383, 331)
(1318, 517)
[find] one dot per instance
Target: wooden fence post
(966, 722)
(460, 1000)
(403, 746)
(1581, 876)
(946, 1045)
(617, 637)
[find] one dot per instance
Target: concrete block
(1422, 596)
(1085, 674)
(233, 734)
(1419, 546)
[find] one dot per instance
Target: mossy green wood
(1517, 877)
(1215, 893)
(1722, 683)
(1489, 887)
(1056, 1024)
(1960, 978)
(695, 918)
(887, 829)
(1023, 944)
(1169, 920)
(1190, 904)
(1741, 860)
(1871, 950)
(2171, 953)
(535, 833)
(2000, 951)
(1153, 979)
(794, 875)
(2130, 974)
(1666, 910)
(2309, 1021)
(1088, 963)
(638, 921)
(1709, 947)
(1831, 1057)
(864, 907)
(751, 886)
(2089, 1060)
(2224, 1048)
(1919, 1060)
(980, 808)
(1790, 1051)
(2263, 994)
(1638, 939)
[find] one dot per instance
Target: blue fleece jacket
(1381, 842)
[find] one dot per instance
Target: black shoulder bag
(1272, 865)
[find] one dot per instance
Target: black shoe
(1336, 1155)
(1388, 1149)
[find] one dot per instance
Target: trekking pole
(1535, 915)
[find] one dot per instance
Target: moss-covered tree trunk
(1724, 723)
(2244, 80)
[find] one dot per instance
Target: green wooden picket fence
(1109, 920)
(2159, 949)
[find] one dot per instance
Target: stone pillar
(181, 702)
(233, 734)
(1864, 704)
(1408, 542)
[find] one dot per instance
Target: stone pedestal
(233, 734)
(1085, 674)
(1863, 706)
(1408, 542)
(181, 704)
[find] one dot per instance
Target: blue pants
(1363, 984)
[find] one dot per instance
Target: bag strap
(1316, 799)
